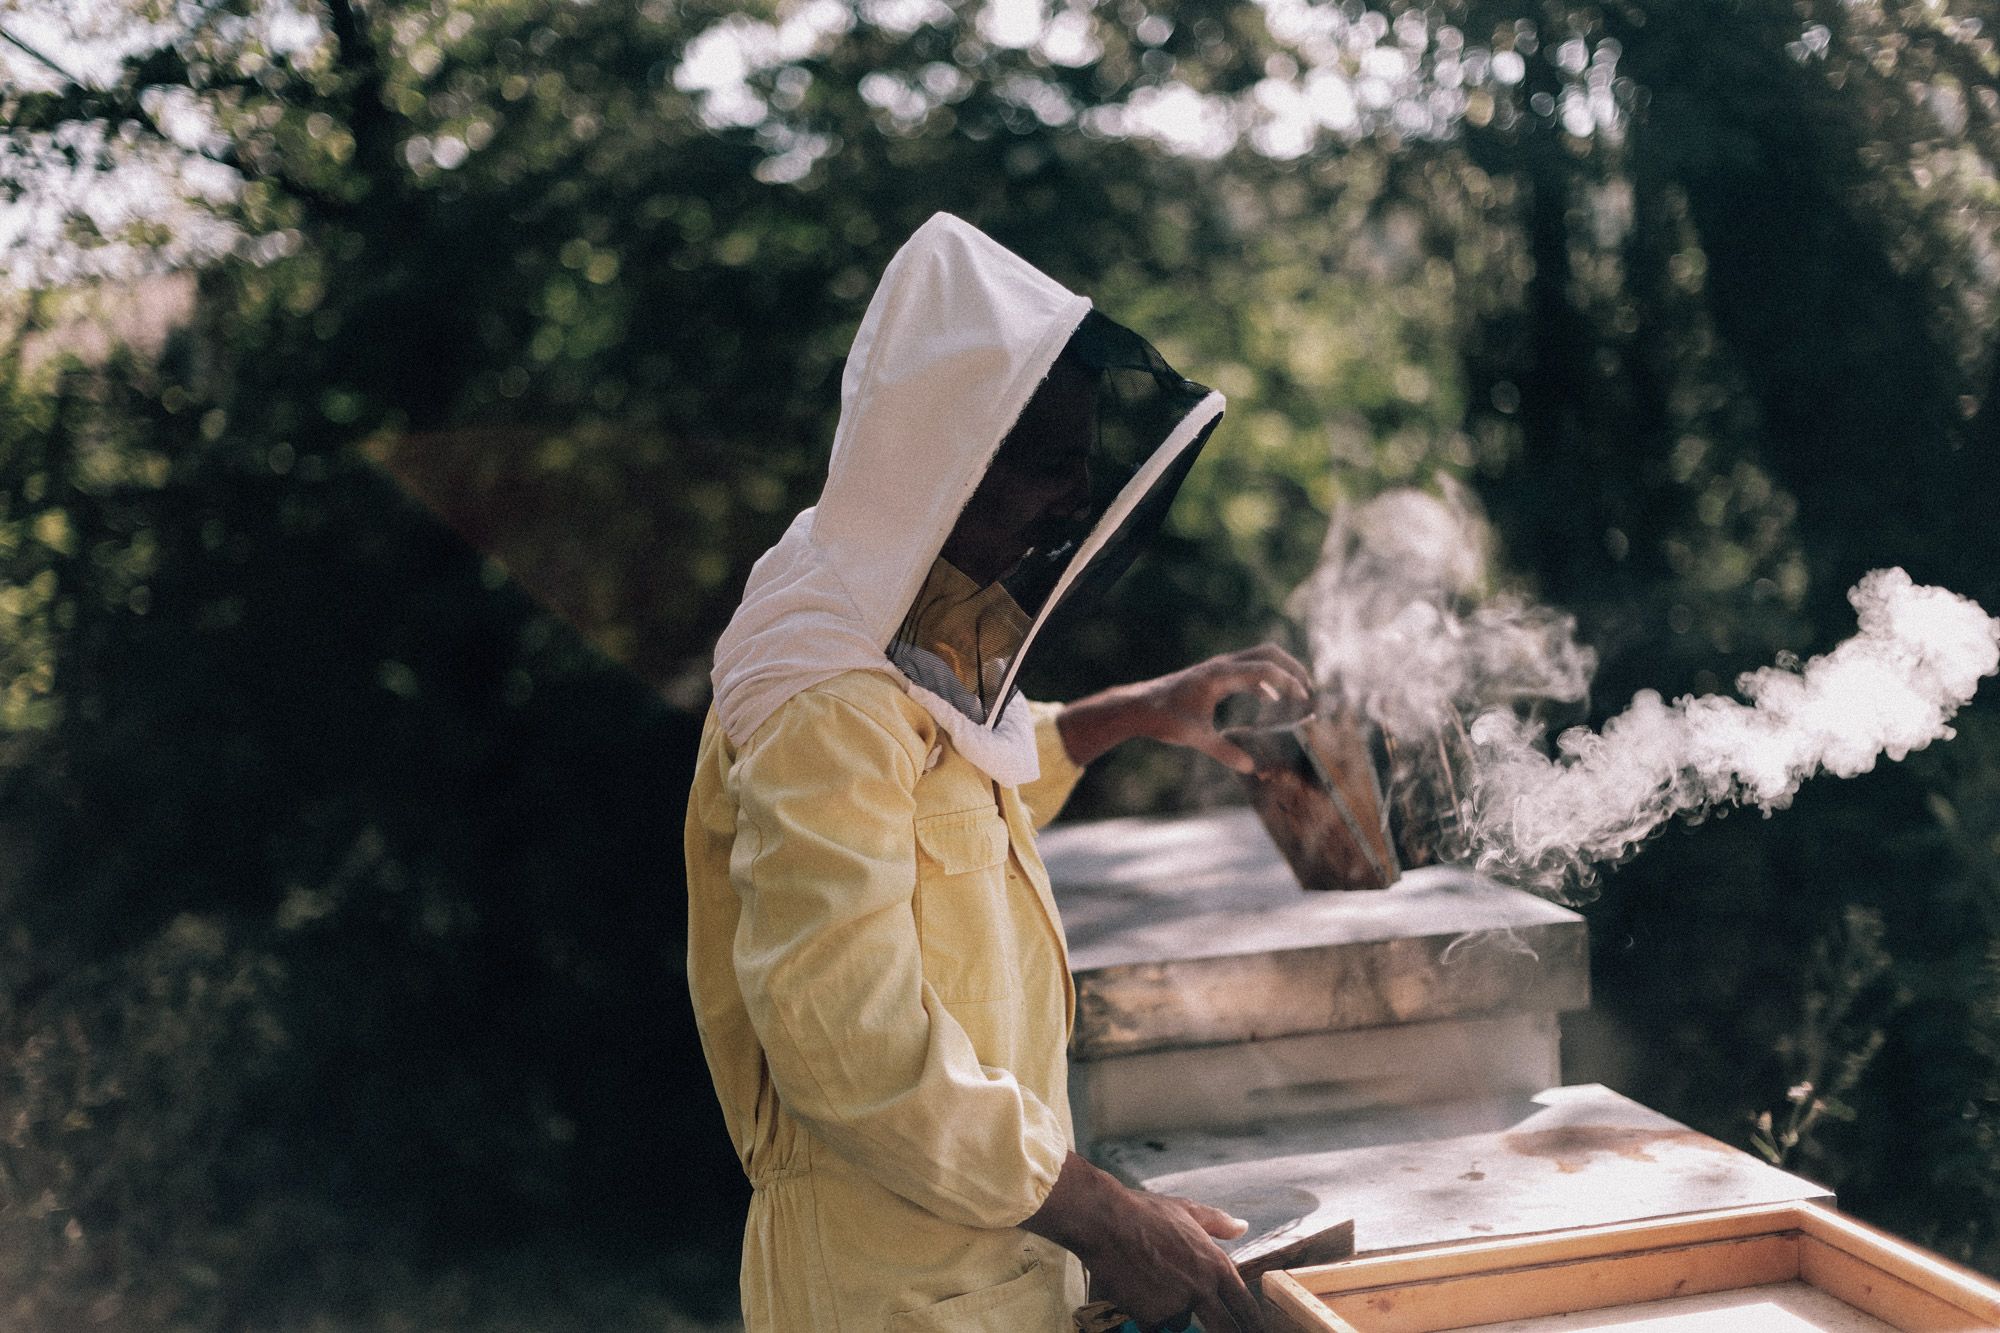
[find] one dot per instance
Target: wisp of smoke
(1405, 638)
(1399, 629)
(1403, 635)
(1547, 821)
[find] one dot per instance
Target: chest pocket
(967, 920)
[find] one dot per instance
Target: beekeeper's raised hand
(1180, 708)
(1153, 1256)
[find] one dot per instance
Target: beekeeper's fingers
(1221, 677)
(1213, 1220)
(1296, 680)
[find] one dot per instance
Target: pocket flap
(964, 842)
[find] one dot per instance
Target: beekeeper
(877, 967)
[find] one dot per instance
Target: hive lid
(1191, 930)
(1492, 1167)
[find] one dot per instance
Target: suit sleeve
(859, 1047)
(1046, 795)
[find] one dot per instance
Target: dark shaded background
(357, 600)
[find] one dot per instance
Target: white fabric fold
(1004, 751)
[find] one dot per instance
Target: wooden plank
(1972, 1294)
(1880, 1292)
(1563, 1288)
(1297, 1310)
(1557, 1247)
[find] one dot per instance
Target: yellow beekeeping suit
(883, 994)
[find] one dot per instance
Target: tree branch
(14, 41)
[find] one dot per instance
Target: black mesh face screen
(1128, 540)
(1140, 398)
(1106, 407)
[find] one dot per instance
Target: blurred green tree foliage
(356, 643)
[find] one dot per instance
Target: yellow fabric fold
(1046, 795)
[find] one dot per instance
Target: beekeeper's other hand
(1153, 1256)
(1180, 708)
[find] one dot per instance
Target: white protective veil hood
(959, 333)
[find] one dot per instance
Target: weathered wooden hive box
(1212, 991)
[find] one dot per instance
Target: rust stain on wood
(1571, 1147)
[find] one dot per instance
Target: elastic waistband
(765, 1179)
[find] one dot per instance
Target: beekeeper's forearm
(1096, 723)
(827, 957)
(1179, 708)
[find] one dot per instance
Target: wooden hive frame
(1592, 1268)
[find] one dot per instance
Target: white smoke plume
(1400, 629)
(1403, 634)
(1545, 821)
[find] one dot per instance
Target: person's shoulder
(861, 696)
(877, 691)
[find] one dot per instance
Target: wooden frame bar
(1592, 1268)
